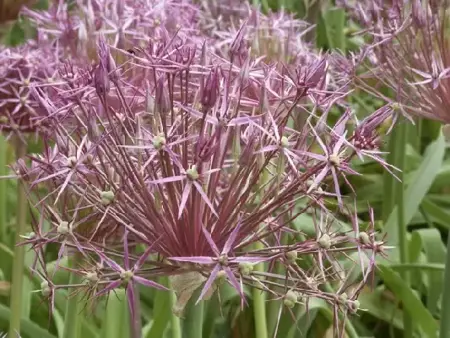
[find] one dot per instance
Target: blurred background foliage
(393, 298)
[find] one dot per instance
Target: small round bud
(395, 106)
(335, 160)
(221, 277)
(107, 197)
(343, 298)
(159, 141)
(91, 277)
(291, 256)
(45, 289)
(354, 306)
(71, 161)
(192, 173)
(325, 241)
(364, 238)
(223, 260)
(3, 119)
(290, 299)
(245, 268)
(126, 276)
(89, 159)
(63, 228)
(284, 142)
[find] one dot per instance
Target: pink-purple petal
(148, 283)
(194, 259)
(209, 282)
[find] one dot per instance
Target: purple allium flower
(416, 69)
(274, 37)
(21, 68)
(125, 24)
(196, 156)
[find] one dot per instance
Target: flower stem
(174, 320)
(72, 317)
(259, 297)
(402, 130)
(193, 322)
(259, 304)
(3, 187)
(445, 305)
(19, 252)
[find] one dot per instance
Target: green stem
(3, 161)
(73, 316)
(259, 297)
(259, 303)
(193, 322)
(402, 129)
(19, 253)
(175, 322)
(445, 305)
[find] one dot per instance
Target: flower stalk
(19, 250)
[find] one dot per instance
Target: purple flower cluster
(409, 43)
(174, 151)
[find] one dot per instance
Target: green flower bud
(325, 241)
(91, 277)
(290, 299)
(126, 276)
(107, 197)
(159, 141)
(192, 173)
(291, 256)
(221, 277)
(245, 268)
(364, 238)
(45, 289)
(63, 228)
(71, 161)
(284, 142)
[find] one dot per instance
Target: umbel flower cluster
(410, 53)
(183, 158)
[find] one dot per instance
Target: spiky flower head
(20, 69)
(180, 168)
(410, 44)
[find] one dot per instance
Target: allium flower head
(74, 29)
(21, 68)
(276, 37)
(196, 161)
(410, 42)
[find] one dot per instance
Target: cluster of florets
(175, 158)
(409, 47)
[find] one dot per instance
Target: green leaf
(380, 307)
(411, 303)
(116, 314)
(27, 327)
(421, 181)
(435, 253)
(162, 312)
(435, 212)
(304, 318)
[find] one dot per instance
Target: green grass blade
(162, 312)
(435, 253)
(421, 181)
(411, 303)
(115, 316)
(28, 329)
